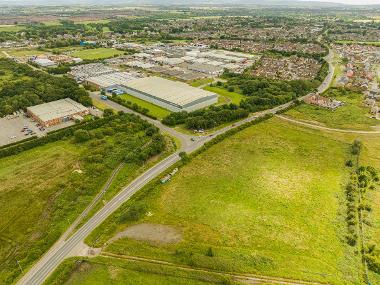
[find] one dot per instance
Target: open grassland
(11, 28)
(154, 110)
(44, 189)
(106, 270)
(24, 52)
(267, 200)
(200, 82)
(359, 42)
(96, 53)
(233, 97)
(353, 115)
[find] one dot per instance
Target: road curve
(56, 254)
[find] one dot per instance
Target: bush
(133, 213)
(81, 136)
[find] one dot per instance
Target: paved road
(50, 261)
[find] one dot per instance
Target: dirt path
(285, 118)
(244, 278)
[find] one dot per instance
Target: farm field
(265, 201)
(154, 110)
(353, 115)
(106, 270)
(233, 97)
(96, 53)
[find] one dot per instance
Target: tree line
(28, 87)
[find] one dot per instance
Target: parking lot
(16, 128)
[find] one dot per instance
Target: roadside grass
(234, 96)
(353, 115)
(267, 200)
(96, 53)
(108, 270)
(154, 110)
(99, 104)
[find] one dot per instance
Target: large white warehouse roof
(174, 92)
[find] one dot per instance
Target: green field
(267, 201)
(43, 189)
(359, 42)
(106, 270)
(11, 28)
(154, 110)
(25, 52)
(200, 82)
(353, 115)
(233, 97)
(96, 53)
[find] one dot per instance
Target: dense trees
(261, 94)
(206, 118)
(28, 87)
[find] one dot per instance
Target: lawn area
(267, 200)
(233, 97)
(154, 110)
(106, 270)
(96, 53)
(353, 115)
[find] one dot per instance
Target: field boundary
(238, 276)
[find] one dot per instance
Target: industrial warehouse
(172, 95)
(56, 112)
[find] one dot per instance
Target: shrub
(81, 136)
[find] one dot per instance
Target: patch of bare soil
(154, 233)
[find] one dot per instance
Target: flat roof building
(111, 79)
(172, 95)
(56, 112)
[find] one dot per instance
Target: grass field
(25, 52)
(154, 110)
(44, 189)
(267, 201)
(359, 42)
(11, 28)
(200, 82)
(232, 96)
(353, 115)
(107, 270)
(96, 53)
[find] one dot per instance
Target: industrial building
(111, 79)
(172, 95)
(56, 112)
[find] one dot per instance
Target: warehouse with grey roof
(172, 95)
(56, 112)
